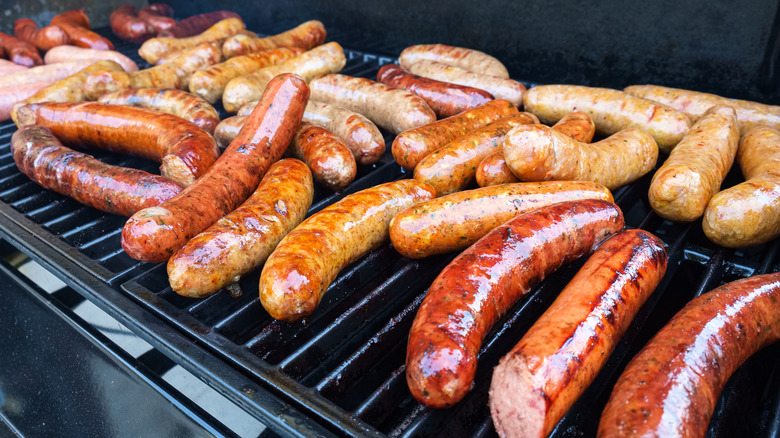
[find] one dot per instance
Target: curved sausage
(19, 51)
(302, 267)
(452, 168)
(748, 214)
(329, 159)
(671, 387)
(158, 15)
(317, 62)
(539, 153)
(611, 110)
(467, 59)
(113, 189)
(43, 73)
(228, 129)
(10, 96)
(454, 222)
(155, 49)
(560, 355)
(691, 176)
(488, 278)
(501, 88)
(43, 38)
(242, 240)
(196, 24)
(411, 146)
(76, 24)
(7, 67)
(306, 35)
(177, 102)
(154, 234)
(72, 53)
(446, 99)
(185, 151)
(126, 24)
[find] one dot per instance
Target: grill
(341, 371)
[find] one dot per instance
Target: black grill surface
(341, 371)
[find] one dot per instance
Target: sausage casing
(44, 38)
(467, 59)
(155, 49)
(73, 53)
(43, 73)
(329, 159)
(126, 24)
(76, 24)
(196, 24)
(501, 88)
(307, 36)
(158, 15)
(19, 51)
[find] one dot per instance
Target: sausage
(174, 74)
(10, 96)
(411, 146)
(185, 151)
(76, 24)
(671, 387)
(539, 153)
(242, 240)
(19, 51)
(487, 279)
(154, 234)
(126, 24)
(695, 103)
(691, 176)
(196, 24)
(72, 53)
(70, 89)
(228, 129)
(306, 35)
(7, 67)
(209, 84)
(44, 39)
(467, 59)
(444, 98)
(158, 15)
(155, 49)
(329, 159)
(176, 102)
(501, 88)
(113, 189)
(493, 170)
(748, 214)
(319, 61)
(302, 267)
(453, 167)
(561, 354)
(611, 110)
(454, 222)
(43, 73)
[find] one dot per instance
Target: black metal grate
(343, 367)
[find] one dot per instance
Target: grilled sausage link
(695, 103)
(467, 59)
(242, 240)
(501, 88)
(154, 234)
(487, 278)
(411, 146)
(444, 98)
(185, 151)
(691, 176)
(73, 53)
(126, 24)
(197, 24)
(76, 24)
(453, 167)
(43, 38)
(748, 214)
(329, 159)
(43, 73)
(228, 129)
(611, 110)
(319, 61)
(113, 189)
(209, 84)
(155, 49)
(158, 15)
(307, 36)
(539, 153)
(454, 222)
(10, 96)
(560, 355)
(176, 102)
(299, 271)
(7, 66)
(671, 387)
(19, 51)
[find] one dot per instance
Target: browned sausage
(196, 24)
(501, 88)
(452, 168)
(44, 39)
(154, 234)
(748, 214)
(76, 24)
(454, 222)
(467, 59)
(560, 355)
(446, 99)
(185, 151)
(302, 267)
(176, 102)
(691, 176)
(329, 159)
(243, 240)
(488, 278)
(228, 129)
(155, 49)
(671, 387)
(158, 15)
(113, 189)
(307, 36)
(19, 51)
(72, 53)
(127, 25)
(411, 146)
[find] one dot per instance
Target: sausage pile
(508, 177)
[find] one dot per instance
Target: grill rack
(340, 372)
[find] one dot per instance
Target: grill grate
(343, 367)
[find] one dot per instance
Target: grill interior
(343, 368)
